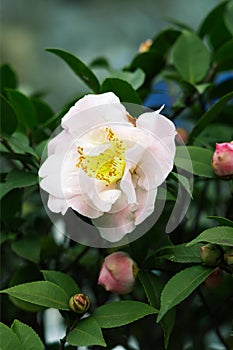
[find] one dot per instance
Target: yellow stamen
(107, 166)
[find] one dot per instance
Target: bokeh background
(86, 28)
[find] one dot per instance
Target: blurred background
(88, 29)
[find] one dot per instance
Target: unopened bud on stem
(211, 254)
(79, 303)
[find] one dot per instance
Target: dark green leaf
(62, 280)
(222, 235)
(183, 181)
(153, 286)
(119, 313)
(19, 142)
(151, 62)
(222, 221)
(23, 108)
(214, 27)
(200, 158)
(228, 16)
(8, 117)
(28, 248)
(42, 293)
(8, 77)
(180, 286)
(100, 62)
(122, 89)
(191, 57)
(18, 179)
(86, 333)
(9, 340)
(224, 56)
(27, 336)
(164, 40)
(43, 111)
(79, 68)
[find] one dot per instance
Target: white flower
(106, 165)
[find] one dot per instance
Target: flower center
(108, 166)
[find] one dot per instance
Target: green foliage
(180, 286)
(222, 235)
(188, 52)
(172, 279)
(86, 333)
(119, 313)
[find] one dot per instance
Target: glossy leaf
(165, 40)
(135, 79)
(209, 116)
(27, 336)
(122, 89)
(224, 56)
(180, 286)
(42, 293)
(228, 16)
(153, 286)
(43, 111)
(119, 313)
(8, 78)
(23, 108)
(222, 235)
(191, 57)
(9, 340)
(214, 27)
(86, 333)
(222, 221)
(200, 158)
(151, 62)
(28, 248)
(18, 179)
(79, 68)
(8, 117)
(62, 280)
(183, 181)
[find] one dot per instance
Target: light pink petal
(146, 200)
(57, 205)
(127, 187)
(113, 227)
(79, 204)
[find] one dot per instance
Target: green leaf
(224, 56)
(153, 286)
(180, 286)
(18, 179)
(43, 111)
(42, 293)
(122, 89)
(222, 221)
(9, 340)
(191, 57)
(228, 16)
(214, 27)
(86, 333)
(119, 313)
(151, 62)
(28, 248)
(164, 40)
(62, 280)
(20, 144)
(200, 158)
(100, 62)
(8, 77)
(27, 336)
(222, 235)
(79, 68)
(23, 108)
(8, 117)
(135, 79)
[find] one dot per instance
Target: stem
(212, 316)
(63, 340)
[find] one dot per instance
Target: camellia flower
(107, 165)
(222, 160)
(118, 273)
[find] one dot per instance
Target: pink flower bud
(222, 161)
(214, 279)
(182, 135)
(118, 273)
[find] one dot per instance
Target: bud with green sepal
(211, 254)
(79, 303)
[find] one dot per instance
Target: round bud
(79, 303)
